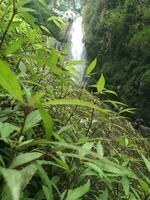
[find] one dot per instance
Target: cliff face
(118, 34)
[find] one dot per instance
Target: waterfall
(77, 48)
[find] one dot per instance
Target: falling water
(77, 48)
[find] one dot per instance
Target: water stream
(77, 48)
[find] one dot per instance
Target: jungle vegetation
(118, 33)
(58, 141)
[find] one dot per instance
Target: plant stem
(90, 123)
(23, 124)
(7, 28)
(72, 114)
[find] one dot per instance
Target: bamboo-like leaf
(147, 162)
(25, 158)
(100, 150)
(77, 193)
(126, 186)
(77, 102)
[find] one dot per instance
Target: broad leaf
(13, 179)
(32, 120)
(14, 46)
(104, 196)
(6, 129)
(101, 84)
(47, 120)
(91, 66)
(8, 80)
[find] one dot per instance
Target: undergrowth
(58, 141)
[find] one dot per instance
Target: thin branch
(7, 28)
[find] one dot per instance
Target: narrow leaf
(125, 184)
(77, 102)
(25, 158)
(78, 192)
(100, 150)
(147, 162)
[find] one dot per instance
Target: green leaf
(77, 102)
(27, 174)
(125, 184)
(54, 58)
(78, 192)
(57, 20)
(47, 187)
(23, 2)
(17, 180)
(35, 99)
(47, 193)
(76, 62)
(95, 168)
(91, 66)
(85, 149)
(101, 84)
(25, 158)
(6, 129)
(32, 120)
(147, 162)
(100, 150)
(14, 46)
(8, 80)
(13, 179)
(104, 196)
(47, 120)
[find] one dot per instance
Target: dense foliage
(58, 141)
(118, 32)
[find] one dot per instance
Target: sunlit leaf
(101, 84)
(91, 66)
